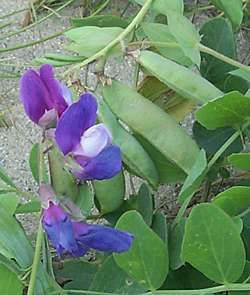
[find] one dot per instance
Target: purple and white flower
(77, 237)
(90, 145)
(44, 98)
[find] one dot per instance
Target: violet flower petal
(104, 166)
(74, 121)
(93, 141)
(65, 92)
(33, 95)
(58, 226)
(102, 238)
(54, 89)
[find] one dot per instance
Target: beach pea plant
(99, 232)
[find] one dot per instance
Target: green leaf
(232, 109)
(240, 160)
(165, 6)
(85, 199)
(175, 245)
(134, 155)
(161, 33)
(147, 260)
(212, 140)
(241, 73)
(186, 277)
(62, 181)
(29, 207)
(244, 276)
(9, 202)
(234, 200)
(159, 226)
(212, 244)
(186, 35)
(147, 120)
(77, 274)
(236, 83)
(182, 80)
(34, 161)
(89, 40)
(145, 203)
(194, 178)
(9, 282)
(246, 233)
(5, 178)
(100, 21)
(112, 279)
(217, 34)
(232, 9)
(110, 192)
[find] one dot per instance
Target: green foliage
(147, 254)
(212, 244)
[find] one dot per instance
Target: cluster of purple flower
(48, 103)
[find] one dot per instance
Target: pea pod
(182, 80)
(134, 155)
(110, 193)
(152, 123)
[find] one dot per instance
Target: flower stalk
(39, 239)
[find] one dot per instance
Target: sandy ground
(16, 142)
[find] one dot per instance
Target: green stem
(210, 164)
(20, 46)
(36, 260)
(5, 25)
(103, 6)
(38, 22)
(212, 290)
(117, 40)
(39, 239)
(223, 58)
(13, 13)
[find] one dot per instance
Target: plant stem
(117, 40)
(210, 164)
(224, 58)
(36, 260)
(38, 22)
(103, 6)
(20, 46)
(13, 13)
(212, 290)
(39, 239)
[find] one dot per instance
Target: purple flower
(77, 238)
(44, 98)
(90, 145)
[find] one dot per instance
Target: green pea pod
(182, 80)
(110, 193)
(62, 181)
(153, 124)
(134, 155)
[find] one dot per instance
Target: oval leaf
(232, 109)
(147, 260)
(234, 200)
(212, 244)
(240, 161)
